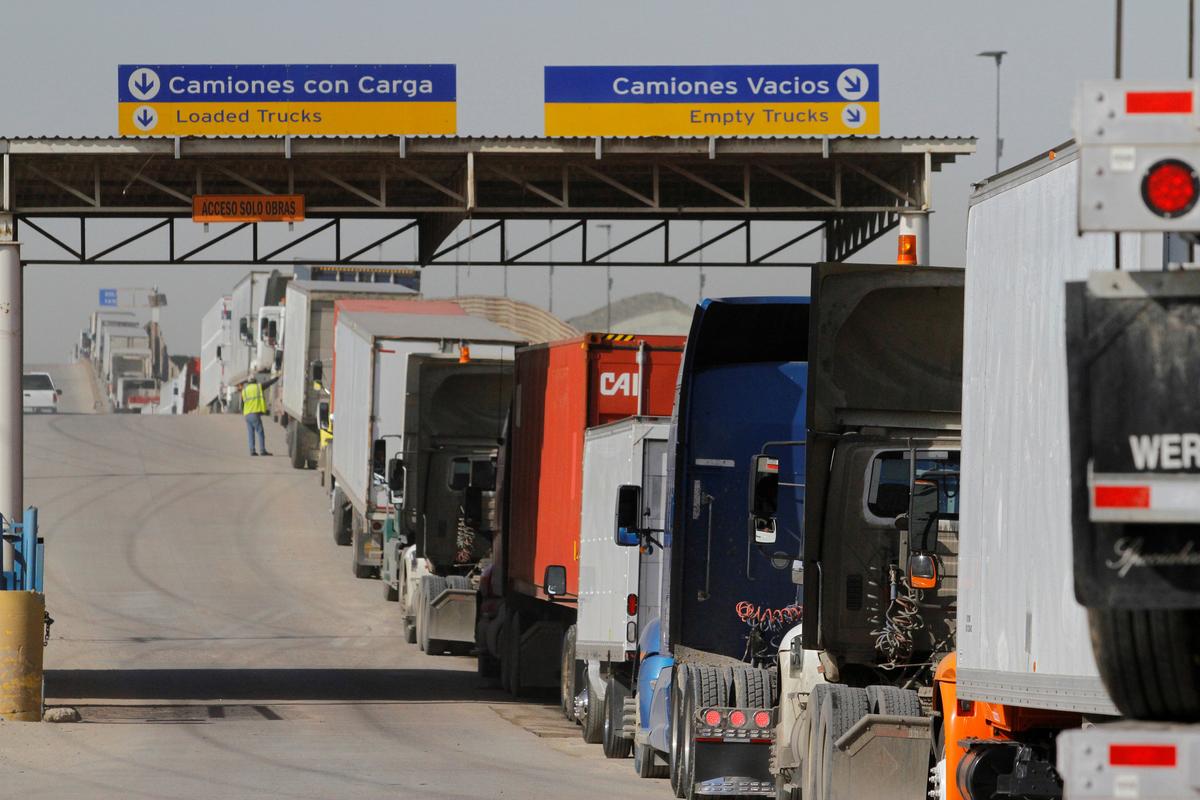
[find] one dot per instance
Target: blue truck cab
(726, 590)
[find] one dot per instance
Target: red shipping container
(563, 388)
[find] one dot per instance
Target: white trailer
(1024, 649)
(99, 353)
(214, 350)
(369, 384)
(308, 331)
(604, 638)
(247, 297)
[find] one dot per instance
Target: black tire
(593, 716)
(707, 686)
(644, 765)
(893, 700)
(431, 587)
(751, 688)
(487, 666)
(675, 756)
(342, 518)
(614, 741)
(844, 706)
(295, 452)
(1147, 661)
(566, 675)
(510, 664)
(808, 744)
(356, 534)
(408, 617)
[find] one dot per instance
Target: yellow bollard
(21, 647)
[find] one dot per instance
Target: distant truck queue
(825, 546)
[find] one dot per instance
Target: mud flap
(882, 756)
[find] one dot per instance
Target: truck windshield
(888, 491)
(125, 365)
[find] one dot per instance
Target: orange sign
(248, 208)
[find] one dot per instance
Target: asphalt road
(213, 638)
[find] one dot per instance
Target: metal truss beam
(489, 245)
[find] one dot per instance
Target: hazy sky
(60, 58)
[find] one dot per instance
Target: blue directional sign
(279, 99)
(108, 297)
(713, 100)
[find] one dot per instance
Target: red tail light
(1141, 755)
(1170, 188)
(762, 719)
(631, 605)
(737, 718)
(712, 718)
(376, 525)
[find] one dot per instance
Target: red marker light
(1141, 755)
(712, 718)
(631, 605)
(762, 719)
(737, 718)
(1170, 188)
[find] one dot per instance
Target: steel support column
(11, 405)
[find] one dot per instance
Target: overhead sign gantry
(852, 190)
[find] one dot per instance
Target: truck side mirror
(629, 516)
(554, 582)
(922, 570)
(764, 499)
(395, 475)
(323, 420)
(317, 370)
(218, 352)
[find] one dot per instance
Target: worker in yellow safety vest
(254, 405)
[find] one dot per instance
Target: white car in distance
(38, 393)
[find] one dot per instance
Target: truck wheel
(806, 740)
(487, 666)
(751, 688)
(675, 757)
(391, 593)
(1146, 659)
(356, 534)
(644, 764)
(510, 661)
(566, 675)
(593, 716)
(431, 587)
(707, 686)
(419, 619)
(844, 706)
(893, 700)
(615, 743)
(295, 452)
(342, 516)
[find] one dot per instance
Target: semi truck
(256, 290)
(707, 640)
(877, 570)
(527, 598)
(307, 365)
(214, 350)
(441, 536)
(600, 649)
(372, 343)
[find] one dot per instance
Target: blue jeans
(254, 426)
